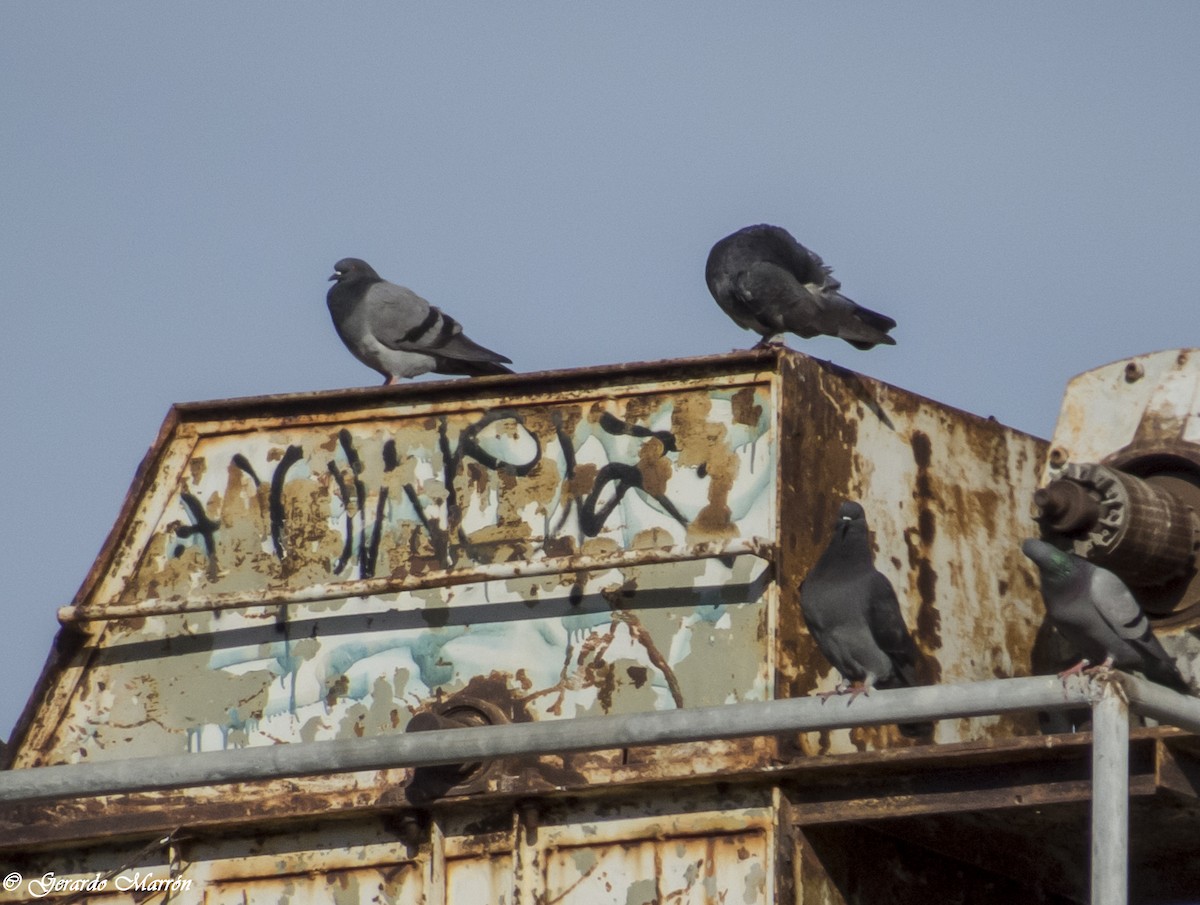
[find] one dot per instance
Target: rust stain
(746, 409)
(642, 637)
(919, 542)
(654, 467)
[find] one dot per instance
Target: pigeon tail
(1164, 672)
(459, 347)
(454, 366)
(866, 328)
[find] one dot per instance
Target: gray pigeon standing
(853, 614)
(769, 283)
(398, 333)
(1098, 616)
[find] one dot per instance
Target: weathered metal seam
(774, 595)
(233, 427)
(448, 391)
(46, 712)
(143, 475)
(435, 865)
(373, 587)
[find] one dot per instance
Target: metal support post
(1110, 797)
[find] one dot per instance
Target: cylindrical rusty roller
(1144, 533)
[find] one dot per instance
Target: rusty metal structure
(361, 575)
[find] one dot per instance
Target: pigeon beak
(336, 276)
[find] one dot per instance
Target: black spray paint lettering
(202, 525)
(596, 507)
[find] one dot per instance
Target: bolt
(1067, 507)
(531, 819)
(1058, 457)
(1134, 372)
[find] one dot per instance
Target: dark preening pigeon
(398, 333)
(853, 614)
(1098, 616)
(769, 283)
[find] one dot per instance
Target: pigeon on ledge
(853, 614)
(396, 332)
(769, 283)
(1098, 616)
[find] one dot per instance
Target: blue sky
(1016, 184)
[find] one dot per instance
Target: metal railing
(1110, 695)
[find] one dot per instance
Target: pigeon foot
(1103, 667)
(1077, 670)
(858, 688)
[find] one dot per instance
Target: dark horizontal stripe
(422, 327)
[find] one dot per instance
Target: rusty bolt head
(1058, 457)
(1067, 507)
(1134, 372)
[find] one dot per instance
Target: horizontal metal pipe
(620, 559)
(451, 746)
(1161, 703)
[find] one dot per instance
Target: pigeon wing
(887, 627)
(1116, 605)
(402, 320)
(397, 316)
(890, 632)
(777, 301)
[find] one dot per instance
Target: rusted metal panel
(338, 863)
(687, 847)
(1147, 400)
(947, 498)
(319, 513)
(641, 852)
(351, 669)
(272, 564)
(272, 509)
(696, 871)
(281, 507)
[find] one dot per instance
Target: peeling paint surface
(299, 526)
(280, 509)
(301, 569)
(1152, 398)
(275, 512)
(947, 497)
(364, 667)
